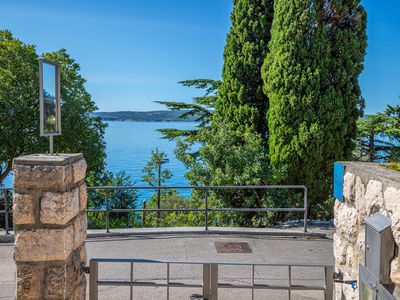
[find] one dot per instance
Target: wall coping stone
(373, 171)
(60, 159)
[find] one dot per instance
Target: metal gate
(210, 283)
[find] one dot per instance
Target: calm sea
(129, 146)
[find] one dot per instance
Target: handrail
(201, 187)
(219, 262)
(107, 210)
(210, 282)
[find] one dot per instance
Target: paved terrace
(197, 247)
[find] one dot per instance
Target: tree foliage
(150, 171)
(311, 78)
(201, 108)
(118, 199)
(379, 136)
(171, 199)
(82, 132)
(19, 108)
(241, 102)
(188, 142)
(19, 101)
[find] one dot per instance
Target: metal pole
(206, 281)
(159, 191)
(290, 282)
(252, 282)
(6, 211)
(206, 212)
(107, 213)
(51, 146)
(131, 287)
(93, 291)
(167, 281)
(214, 282)
(329, 283)
(305, 208)
(144, 213)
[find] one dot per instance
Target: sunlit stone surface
(367, 188)
(50, 226)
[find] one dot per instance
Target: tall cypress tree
(234, 151)
(345, 23)
(311, 78)
(242, 102)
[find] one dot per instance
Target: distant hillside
(144, 116)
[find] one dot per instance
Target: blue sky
(134, 52)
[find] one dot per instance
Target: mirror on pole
(50, 110)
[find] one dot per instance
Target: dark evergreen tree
(379, 137)
(234, 152)
(201, 109)
(241, 99)
(311, 78)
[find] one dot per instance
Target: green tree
(168, 199)
(19, 101)
(152, 173)
(171, 199)
(201, 108)
(311, 79)
(235, 158)
(188, 142)
(232, 151)
(82, 132)
(118, 199)
(238, 122)
(241, 102)
(19, 108)
(379, 136)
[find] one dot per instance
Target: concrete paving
(197, 247)
(293, 231)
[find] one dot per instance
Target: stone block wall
(367, 188)
(50, 226)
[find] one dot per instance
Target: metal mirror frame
(58, 97)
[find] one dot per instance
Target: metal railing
(107, 210)
(210, 283)
(6, 211)
(206, 210)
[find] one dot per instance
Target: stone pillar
(50, 226)
(367, 188)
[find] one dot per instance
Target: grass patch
(393, 166)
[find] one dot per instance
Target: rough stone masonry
(50, 226)
(367, 188)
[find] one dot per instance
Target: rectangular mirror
(49, 98)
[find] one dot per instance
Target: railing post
(206, 212)
(206, 281)
(329, 283)
(214, 282)
(290, 282)
(305, 208)
(252, 281)
(144, 213)
(167, 281)
(107, 213)
(6, 212)
(131, 286)
(93, 277)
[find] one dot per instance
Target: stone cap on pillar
(48, 172)
(47, 159)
